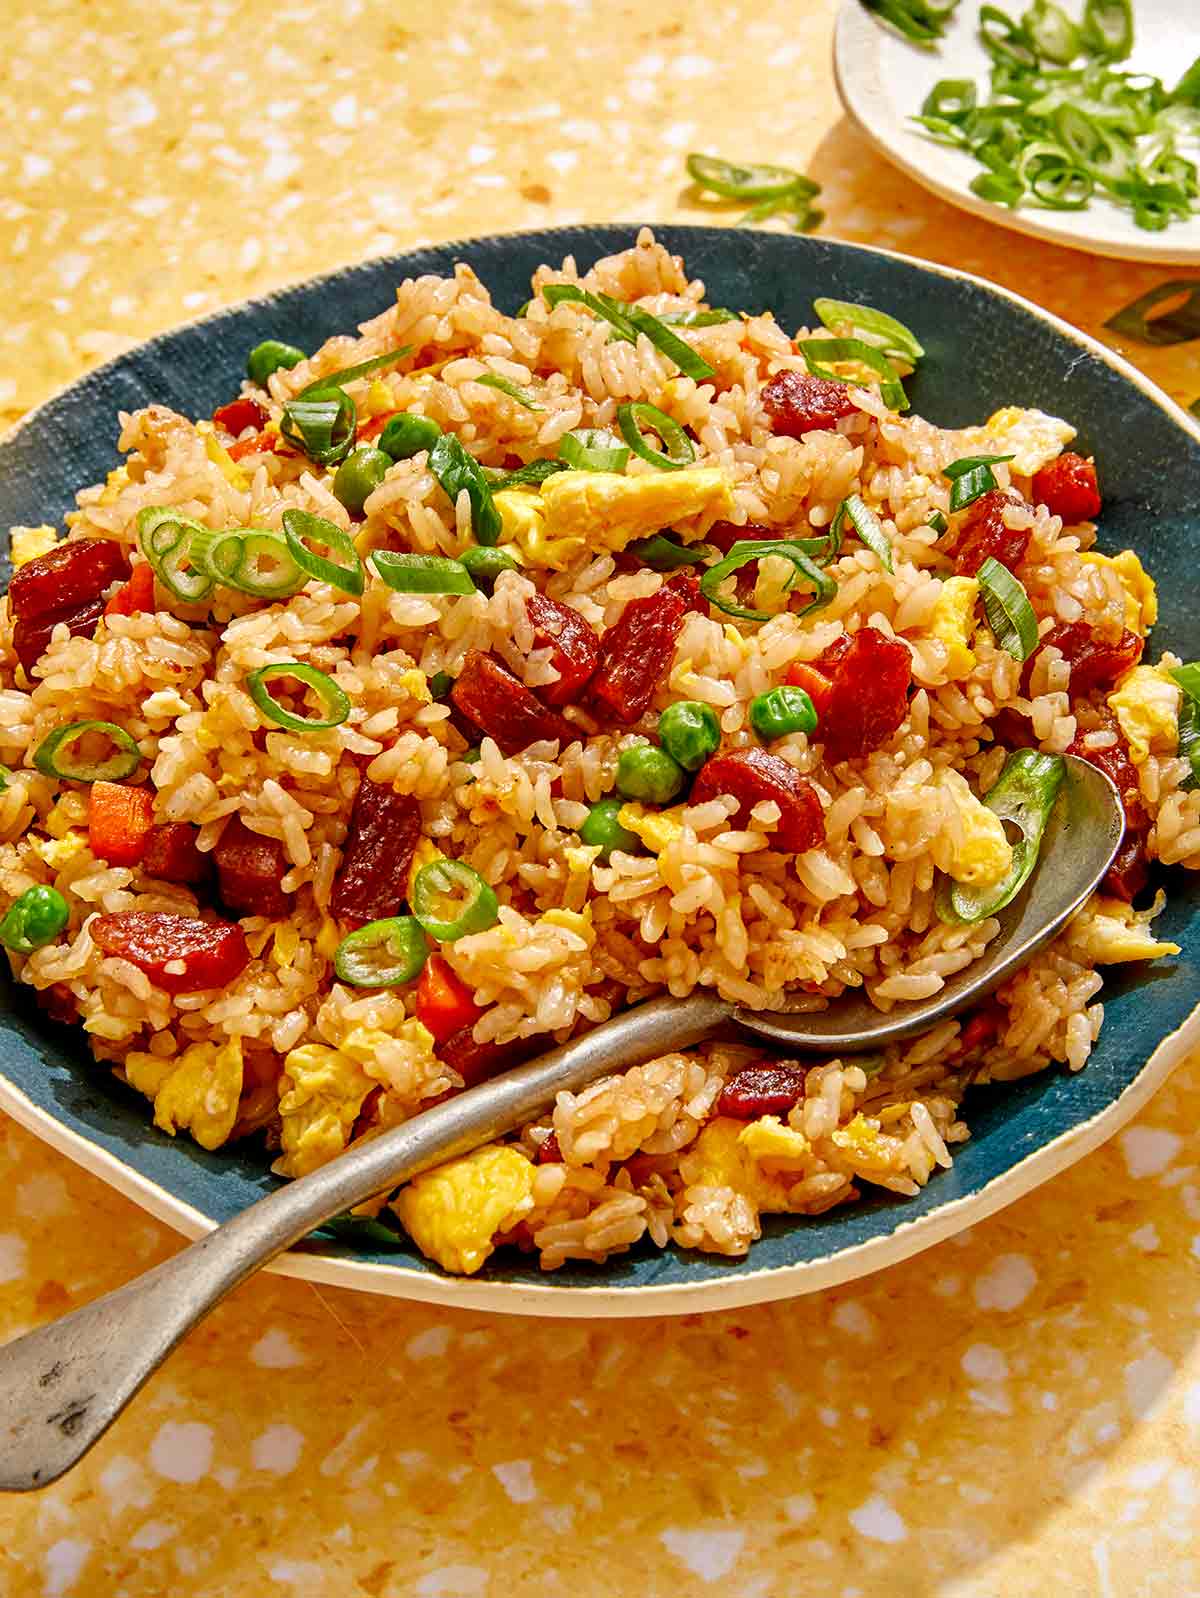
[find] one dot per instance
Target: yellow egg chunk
(979, 854)
(197, 1090)
(424, 854)
(1141, 596)
(523, 520)
(220, 457)
(1110, 932)
(769, 1139)
(720, 1158)
(27, 543)
(1031, 437)
(610, 509)
(57, 851)
(1146, 705)
(321, 1093)
(656, 828)
(953, 622)
(453, 1213)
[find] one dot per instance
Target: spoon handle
(62, 1385)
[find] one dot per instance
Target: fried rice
(699, 894)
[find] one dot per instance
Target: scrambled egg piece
(68, 812)
(453, 1213)
(116, 480)
(197, 1090)
(607, 510)
(321, 1093)
(1109, 931)
(1031, 437)
(328, 938)
(953, 622)
(57, 851)
(982, 854)
(424, 854)
(1141, 596)
(220, 456)
(769, 1139)
(1146, 704)
(720, 1158)
(285, 944)
(27, 543)
(379, 400)
(656, 828)
(577, 921)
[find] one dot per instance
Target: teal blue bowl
(985, 348)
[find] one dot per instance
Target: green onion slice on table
(422, 574)
(332, 699)
(971, 477)
(382, 954)
(321, 422)
(250, 559)
(302, 529)
(747, 550)
(505, 385)
(34, 919)
(1188, 678)
(868, 527)
(1009, 613)
(756, 181)
(592, 449)
(872, 327)
(1024, 794)
(451, 900)
(457, 469)
(1176, 326)
(58, 755)
(635, 419)
(819, 352)
(165, 538)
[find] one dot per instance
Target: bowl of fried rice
(406, 672)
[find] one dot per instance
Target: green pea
(269, 357)
(645, 772)
(407, 433)
(33, 920)
(359, 475)
(603, 827)
(782, 710)
(484, 565)
(689, 732)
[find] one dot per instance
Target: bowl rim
(746, 1284)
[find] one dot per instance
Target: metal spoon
(62, 1385)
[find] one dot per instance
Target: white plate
(883, 82)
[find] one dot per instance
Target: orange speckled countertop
(1015, 1412)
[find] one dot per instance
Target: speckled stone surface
(1017, 1411)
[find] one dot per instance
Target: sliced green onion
(451, 900)
(484, 565)
(1052, 33)
(422, 574)
(600, 304)
(1187, 90)
(968, 463)
(591, 449)
(671, 345)
(382, 954)
(333, 701)
(165, 538)
(919, 23)
(755, 181)
(361, 1231)
(1009, 613)
(1188, 678)
(351, 374)
(440, 685)
(1107, 27)
(1005, 40)
(710, 318)
(322, 423)
(1001, 188)
(868, 527)
(514, 390)
(250, 559)
(1053, 181)
(971, 478)
(747, 550)
(678, 447)
(527, 476)
(1176, 326)
(1024, 794)
(889, 335)
(5, 778)
(34, 919)
(455, 469)
(662, 553)
(796, 204)
(345, 574)
(55, 755)
(937, 521)
(818, 352)
(949, 98)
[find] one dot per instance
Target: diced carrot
(119, 822)
(137, 594)
(815, 684)
(238, 415)
(444, 1004)
(259, 444)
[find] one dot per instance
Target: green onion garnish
(1177, 326)
(671, 345)
(451, 900)
(56, 755)
(1009, 613)
(747, 550)
(422, 574)
(34, 919)
(662, 553)
(874, 327)
(333, 701)
(710, 318)
(250, 559)
(513, 390)
(1107, 28)
(937, 521)
(971, 478)
(382, 954)
(1024, 794)
(527, 476)
(1188, 678)
(818, 352)
(351, 374)
(455, 469)
(678, 449)
(591, 449)
(165, 538)
(868, 527)
(322, 422)
(601, 304)
(1051, 32)
(440, 685)
(301, 528)
(483, 566)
